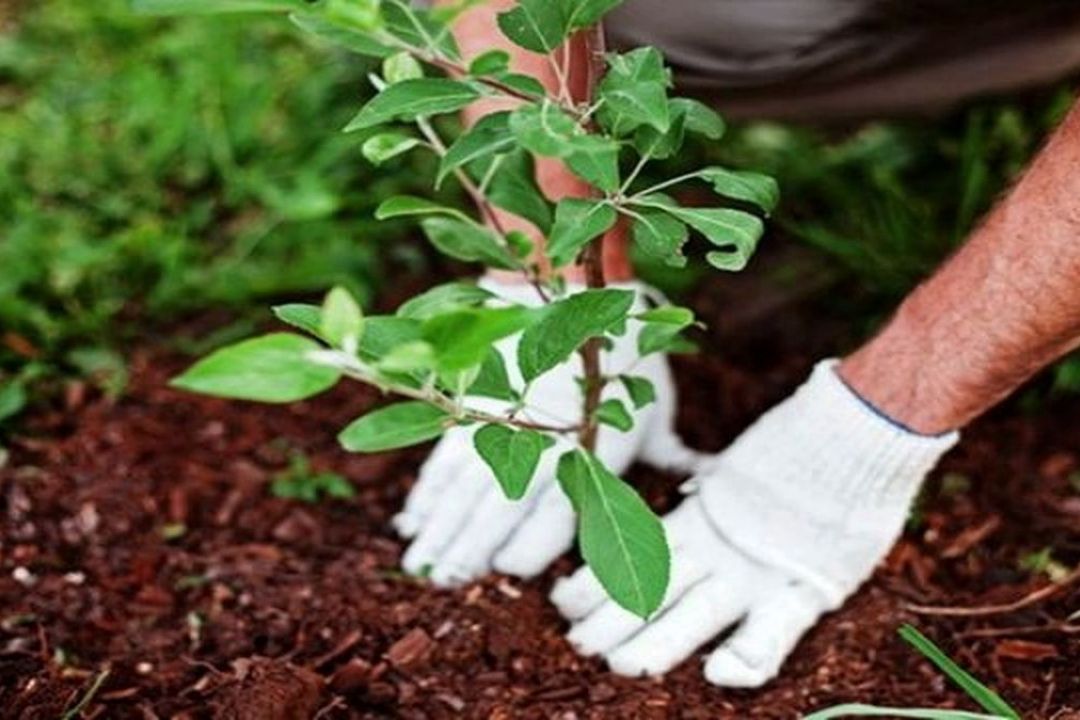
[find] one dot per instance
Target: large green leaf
(634, 91)
(752, 187)
(537, 25)
(545, 129)
(568, 323)
(384, 146)
(700, 118)
(274, 369)
(302, 316)
(734, 231)
(512, 455)
(583, 13)
(395, 426)
(410, 99)
(620, 538)
(577, 221)
(493, 381)
(663, 326)
(490, 136)
(194, 7)
(462, 338)
(659, 235)
(514, 188)
(443, 298)
(641, 390)
(596, 161)
(383, 333)
(468, 241)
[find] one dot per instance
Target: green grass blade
(859, 710)
(981, 694)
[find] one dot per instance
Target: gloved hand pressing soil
(780, 528)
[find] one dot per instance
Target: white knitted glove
(462, 524)
(782, 527)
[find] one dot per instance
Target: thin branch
(1027, 601)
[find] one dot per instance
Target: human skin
(1004, 306)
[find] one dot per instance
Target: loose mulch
(139, 538)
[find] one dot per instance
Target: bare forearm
(1006, 305)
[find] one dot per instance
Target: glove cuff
(820, 471)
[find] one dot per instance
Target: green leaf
(490, 136)
(305, 317)
(462, 338)
(596, 161)
(443, 298)
(577, 222)
(568, 323)
(543, 128)
(514, 189)
(751, 187)
(409, 357)
(418, 28)
(469, 242)
(537, 25)
(524, 84)
(512, 455)
(196, 7)
(490, 63)
(634, 91)
(655, 145)
(395, 426)
(380, 148)
(13, 399)
(359, 14)
(273, 368)
(736, 231)
(661, 236)
(409, 205)
(400, 67)
(700, 118)
(987, 698)
(861, 710)
(493, 381)
(612, 412)
(619, 536)
(641, 390)
(342, 321)
(383, 333)
(662, 328)
(583, 13)
(349, 38)
(410, 99)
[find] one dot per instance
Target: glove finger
(435, 476)
(754, 653)
(610, 625)
(704, 612)
(490, 523)
(545, 534)
(445, 521)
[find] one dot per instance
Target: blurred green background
(155, 170)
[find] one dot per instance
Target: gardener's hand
(461, 523)
(780, 528)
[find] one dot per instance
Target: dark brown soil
(140, 537)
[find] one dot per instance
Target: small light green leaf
(469, 242)
(543, 128)
(662, 328)
(305, 317)
(273, 368)
(490, 63)
(349, 38)
(409, 205)
(410, 99)
(342, 320)
(641, 390)
(612, 412)
(620, 538)
(493, 381)
(409, 357)
(537, 25)
(634, 91)
(395, 426)
(380, 148)
(661, 236)
(751, 187)
(568, 323)
(359, 14)
(512, 455)
(490, 136)
(443, 298)
(400, 67)
(196, 7)
(462, 338)
(514, 189)
(577, 222)
(700, 118)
